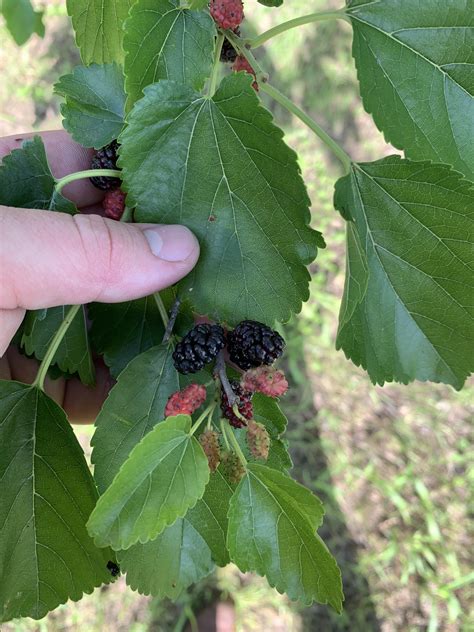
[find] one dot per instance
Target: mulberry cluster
(228, 52)
(227, 14)
(106, 158)
(187, 401)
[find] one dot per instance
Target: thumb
(49, 258)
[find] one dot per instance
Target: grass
(394, 465)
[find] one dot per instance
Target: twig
(224, 380)
(171, 323)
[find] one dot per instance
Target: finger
(64, 156)
(10, 320)
(25, 369)
(59, 259)
(81, 403)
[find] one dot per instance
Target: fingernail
(171, 243)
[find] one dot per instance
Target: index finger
(65, 156)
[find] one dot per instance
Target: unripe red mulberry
(185, 402)
(209, 441)
(114, 204)
(258, 440)
(266, 380)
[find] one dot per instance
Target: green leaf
(415, 63)
(95, 103)
(165, 475)
(26, 180)
(407, 311)
(169, 564)
(185, 552)
(271, 3)
(198, 4)
(122, 331)
(73, 354)
(99, 28)
(46, 496)
(267, 412)
(134, 406)
(221, 167)
(165, 41)
(272, 524)
(22, 20)
(209, 516)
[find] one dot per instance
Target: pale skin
(49, 259)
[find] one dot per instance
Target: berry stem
(216, 64)
(291, 24)
(260, 75)
(162, 309)
(317, 129)
(224, 380)
(127, 215)
(226, 440)
(235, 445)
(172, 320)
(209, 410)
(54, 345)
(89, 173)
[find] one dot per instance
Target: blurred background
(392, 465)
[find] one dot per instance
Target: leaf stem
(201, 418)
(89, 173)
(291, 24)
(224, 380)
(311, 123)
(161, 309)
(216, 64)
(54, 345)
(260, 75)
(235, 445)
(172, 320)
(224, 435)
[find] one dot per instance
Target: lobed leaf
(415, 62)
(221, 167)
(272, 524)
(46, 496)
(407, 311)
(165, 475)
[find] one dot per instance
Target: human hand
(49, 259)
